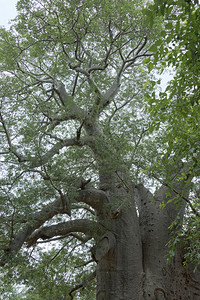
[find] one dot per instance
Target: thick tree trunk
(162, 280)
(131, 257)
(120, 271)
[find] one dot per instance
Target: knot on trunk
(105, 244)
(159, 294)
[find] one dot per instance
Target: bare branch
(89, 78)
(142, 46)
(112, 91)
(120, 107)
(75, 84)
(82, 285)
(60, 250)
(130, 61)
(80, 238)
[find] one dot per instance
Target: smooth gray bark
(136, 268)
(120, 271)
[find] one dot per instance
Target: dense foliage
(177, 108)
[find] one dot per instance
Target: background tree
(76, 141)
(178, 106)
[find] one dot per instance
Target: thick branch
(93, 197)
(89, 79)
(34, 222)
(74, 111)
(112, 91)
(87, 227)
(76, 206)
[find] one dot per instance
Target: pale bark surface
(137, 266)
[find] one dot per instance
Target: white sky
(7, 11)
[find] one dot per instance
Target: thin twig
(60, 250)
(85, 264)
(82, 284)
(179, 194)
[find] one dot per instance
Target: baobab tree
(76, 142)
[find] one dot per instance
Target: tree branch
(34, 222)
(75, 206)
(82, 285)
(87, 227)
(74, 111)
(112, 91)
(120, 107)
(93, 197)
(91, 82)
(37, 162)
(11, 146)
(80, 238)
